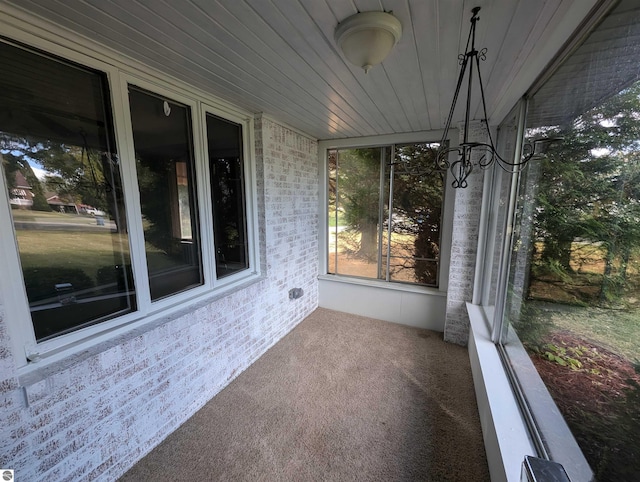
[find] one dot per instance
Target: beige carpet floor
(340, 398)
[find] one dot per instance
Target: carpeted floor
(340, 398)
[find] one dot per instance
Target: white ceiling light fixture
(366, 38)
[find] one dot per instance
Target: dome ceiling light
(366, 38)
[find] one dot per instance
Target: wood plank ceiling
(279, 56)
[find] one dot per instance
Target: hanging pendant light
(467, 151)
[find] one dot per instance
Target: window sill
(384, 284)
(505, 432)
(506, 438)
(30, 376)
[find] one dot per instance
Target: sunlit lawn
(70, 249)
(52, 216)
(617, 330)
(88, 251)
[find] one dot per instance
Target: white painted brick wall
(464, 246)
(93, 420)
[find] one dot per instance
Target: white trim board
(422, 308)
(506, 437)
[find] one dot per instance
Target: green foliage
(358, 178)
(566, 356)
(418, 200)
(74, 173)
(355, 190)
(589, 189)
(532, 324)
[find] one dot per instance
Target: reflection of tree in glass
(74, 173)
(359, 193)
(417, 202)
(590, 192)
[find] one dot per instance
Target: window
(226, 167)
(384, 216)
(61, 170)
(499, 213)
(571, 294)
(166, 180)
(106, 235)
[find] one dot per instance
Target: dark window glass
(61, 169)
(166, 179)
(226, 167)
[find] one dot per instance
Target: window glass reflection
(226, 167)
(62, 174)
(166, 179)
(573, 291)
(384, 215)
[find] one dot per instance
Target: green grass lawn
(51, 216)
(88, 251)
(617, 330)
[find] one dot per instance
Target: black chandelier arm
(529, 149)
(442, 158)
(491, 155)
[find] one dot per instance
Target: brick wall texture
(464, 246)
(94, 419)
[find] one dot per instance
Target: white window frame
(31, 355)
(446, 225)
(250, 185)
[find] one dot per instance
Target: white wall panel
(424, 309)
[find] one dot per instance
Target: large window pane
(166, 179)
(575, 267)
(226, 167)
(497, 239)
(384, 216)
(355, 215)
(416, 214)
(61, 168)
